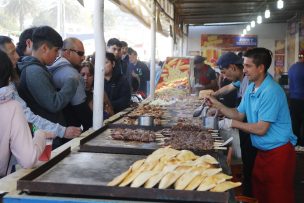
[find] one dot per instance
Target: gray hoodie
(61, 70)
(39, 92)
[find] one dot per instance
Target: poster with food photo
(175, 74)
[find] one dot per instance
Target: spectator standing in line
(6, 45)
(68, 65)
(114, 46)
(140, 70)
(15, 138)
(124, 52)
(116, 85)
(87, 72)
(296, 97)
(36, 85)
(25, 44)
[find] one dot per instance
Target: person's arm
(25, 148)
(224, 91)
(259, 128)
(228, 112)
(40, 85)
(44, 124)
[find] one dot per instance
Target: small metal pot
(146, 120)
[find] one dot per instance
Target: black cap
(199, 59)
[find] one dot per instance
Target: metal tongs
(198, 111)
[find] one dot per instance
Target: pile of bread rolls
(181, 170)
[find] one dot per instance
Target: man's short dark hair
(25, 35)
(260, 56)
(6, 69)
(123, 44)
(131, 51)
(4, 40)
(114, 41)
(46, 34)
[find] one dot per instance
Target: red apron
(273, 175)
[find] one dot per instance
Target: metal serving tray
(102, 142)
(85, 175)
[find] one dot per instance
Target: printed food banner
(175, 74)
(213, 45)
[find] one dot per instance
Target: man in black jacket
(114, 46)
(116, 85)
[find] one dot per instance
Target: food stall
(184, 161)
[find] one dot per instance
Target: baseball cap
(229, 58)
(199, 59)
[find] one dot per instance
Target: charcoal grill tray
(83, 174)
(102, 142)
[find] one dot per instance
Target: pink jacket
(16, 138)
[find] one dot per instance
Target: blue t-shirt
(268, 104)
(296, 81)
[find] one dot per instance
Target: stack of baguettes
(182, 169)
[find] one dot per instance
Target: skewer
(221, 148)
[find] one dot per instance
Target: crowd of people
(47, 84)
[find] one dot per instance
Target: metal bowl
(146, 120)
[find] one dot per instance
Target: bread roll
(118, 179)
(222, 187)
(196, 181)
(142, 178)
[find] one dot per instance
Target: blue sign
(246, 41)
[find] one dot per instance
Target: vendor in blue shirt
(269, 124)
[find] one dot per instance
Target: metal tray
(101, 142)
(86, 175)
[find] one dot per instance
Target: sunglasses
(79, 53)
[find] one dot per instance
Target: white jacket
(15, 134)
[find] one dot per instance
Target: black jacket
(118, 91)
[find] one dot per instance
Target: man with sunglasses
(77, 112)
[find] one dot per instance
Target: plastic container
(46, 154)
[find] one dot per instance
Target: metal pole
(61, 17)
(99, 64)
(153, 45)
